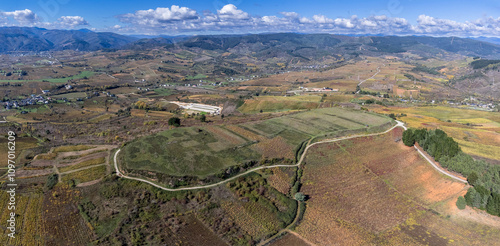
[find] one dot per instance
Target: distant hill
(268, 45)
(310, 46)
(147, 43)
(464, 46)
(488, 39)
(39, 39)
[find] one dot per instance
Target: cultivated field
(204, 151)
(376, 191)
(76, 163)
(477, 132)
(275, 104)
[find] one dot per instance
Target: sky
(188, 17)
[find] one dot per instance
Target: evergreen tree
(472, 178)
(408, 138)
(461, 202)
(493, 206)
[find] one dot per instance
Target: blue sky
(399, 17)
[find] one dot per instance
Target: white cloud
(291, 15)
(23, 17)
(72, 21)
(344, 23)
(321, 19)
(435, 26)
(27, 17)
(159, 16)
(304, 20)
(231, 19)
(230, 11)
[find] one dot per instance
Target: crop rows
(21, 204)
(280, 180)
(33, 222)
(243, 219)
(83, 164)
(225, 136)
(86, 175)
(72, 148)
(246, 133)
(275, 148)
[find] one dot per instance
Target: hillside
(304, 47)
(39, 39)
(311, 46)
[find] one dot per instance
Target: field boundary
(120, 174)
(399, 124)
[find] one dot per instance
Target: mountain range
(301, 46)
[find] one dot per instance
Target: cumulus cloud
(23, 17)
(159, 16)
(230, 11)
(291, 15)
(230, 18)
(444, 27)
(72, 21)
(321, 19)
(27, 17)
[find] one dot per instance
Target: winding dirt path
(119, 173)
(373, 76)
(438, 168)
(399, 124)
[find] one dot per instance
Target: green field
(81, 75)
(164, 92)
(277, 104)
(73, 95)
(204, 151)
(198, 76)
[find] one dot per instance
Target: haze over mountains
(302, 46)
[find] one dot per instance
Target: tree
(299, 196)
(203, 118)
(174, 121)
(408, 138)
(493, 206)
(461, 203)
(472, 178)
(468, 196)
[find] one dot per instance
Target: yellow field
(71, 148)
(86, 175)
(477, 132)
(21, 144)
(273, 104)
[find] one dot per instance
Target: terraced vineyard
(375, 190)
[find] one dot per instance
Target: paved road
(118, 172)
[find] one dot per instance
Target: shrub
(461, 202)
(52, 181)
(299, 196)
(174, 121)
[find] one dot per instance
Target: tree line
(481, 175)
